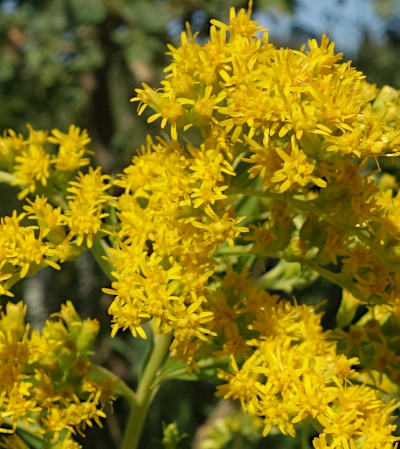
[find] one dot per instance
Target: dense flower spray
(271, 159)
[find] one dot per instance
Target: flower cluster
(302, 131)
(306, 126)
(86, 203)
(35, 164)
(46, 385)
(272, 154)
(292, 371)
(68, 208)
(172, 216)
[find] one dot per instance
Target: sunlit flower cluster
(268, 177)
(23, 250)
(86, 200)
(306, 126)
(304, 133)
(172, 217)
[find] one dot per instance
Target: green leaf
(247, 207)
(100, 253)
(32, 441)
(287, 276)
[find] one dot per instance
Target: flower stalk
(145, 393)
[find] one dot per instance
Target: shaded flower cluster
(290, 371)
(46, 385)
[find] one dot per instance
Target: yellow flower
(126, 316)
(240, 24)
(170, 111)
(72, 148)
(220, 229)
(11, 143)
(32, 168)
(241, 383)
(188, 322)
(50, 219)
(86, 200)
(22, 248)
(203, 106)
(296, 170)
(41, 380)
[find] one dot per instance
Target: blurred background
(75, 61)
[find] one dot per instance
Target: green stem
(58, 200)
(335, 278)
(305, 436)
(145, 393)
(100, 253)
(235, 251)
(258, 193)
(120, 387)
(204, 364)
(28, 430)
(7, 178)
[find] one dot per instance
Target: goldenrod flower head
(295, 372)
(36, 136)
(241, 384)
(240, 24)
(292, 108)
(32, 168)
(12, 320)
(172, 217)
(86, 199)
(23, 249)
(72, 148)
(49, 219)
(11, 144)
(296, 171)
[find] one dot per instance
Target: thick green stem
(305, 436)
(145, 393)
